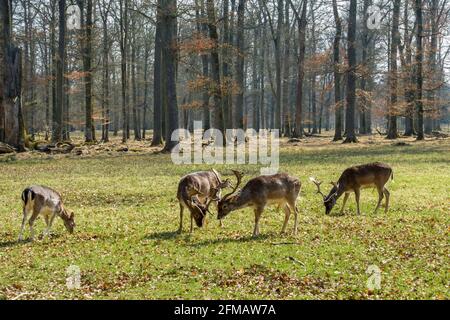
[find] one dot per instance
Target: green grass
(127, 214)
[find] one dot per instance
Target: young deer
(355, 178)
(43, 200)
(261, 191)
(196, 191)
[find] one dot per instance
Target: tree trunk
(392, 123)
(239, 114)
(432, 110)
(169, 53)
(419, 67)
(11, 120)
(145, 104)
(202, 28)
(286, 70)
(87, 66)
(298, 130)
(351, 76)
(278, 64)
(57, 135)
(133, 66)
(105, 81)
(338, 106)
(123, 50)
(218, 118)
(262, 78)
(157, 102)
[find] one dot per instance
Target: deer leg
(294, 208)
(24, 220)
(357, 196)
(180, 228)
(192, 224)
(49, 223)
(31, 223)
(346, 195)
(258, 212)
(380, 198)
(286, 218)
(387, 195)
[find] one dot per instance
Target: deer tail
(27, 196)
(392, 176)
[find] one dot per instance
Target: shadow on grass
(15, 243)
(231, 240)
(165, 235)
(170, 235)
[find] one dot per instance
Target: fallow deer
(47, 202)
(261, 191)
(355, 178)
(196, 191)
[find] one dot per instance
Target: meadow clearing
(126, 244)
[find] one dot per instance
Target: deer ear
(334, 184)
(72, 215)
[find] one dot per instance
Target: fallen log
(6, 148)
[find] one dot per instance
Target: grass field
(127, 213)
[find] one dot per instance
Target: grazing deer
(355, 178)
(196, 191)
(43, 200)
(261, 191)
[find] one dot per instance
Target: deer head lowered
(261, 191)
(353, 179)
(41, 200)
(196, 191)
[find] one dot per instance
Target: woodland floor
(127, 213)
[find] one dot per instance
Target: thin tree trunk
(298, 130)
(218, 119)
(144, 112)
(202, 28)
(157, 98)
(239, 114)
(123, 51)
(338, 105)
(351, 76)
(286, 70)
(419, 67)
(90, 128)
(58, 109)
(392, 123)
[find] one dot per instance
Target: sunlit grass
(127, 214)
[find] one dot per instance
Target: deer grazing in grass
(47, 202)
(261, 191)
(355, 178)
(196, 191)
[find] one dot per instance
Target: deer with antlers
(261, 191)
(196, 191)
(355, 178)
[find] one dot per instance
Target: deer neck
(64, 214)
(336, 192)
(241, 200)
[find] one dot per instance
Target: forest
(302, 67)
(352, 92)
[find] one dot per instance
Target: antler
(239, 176)
(317, 183)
